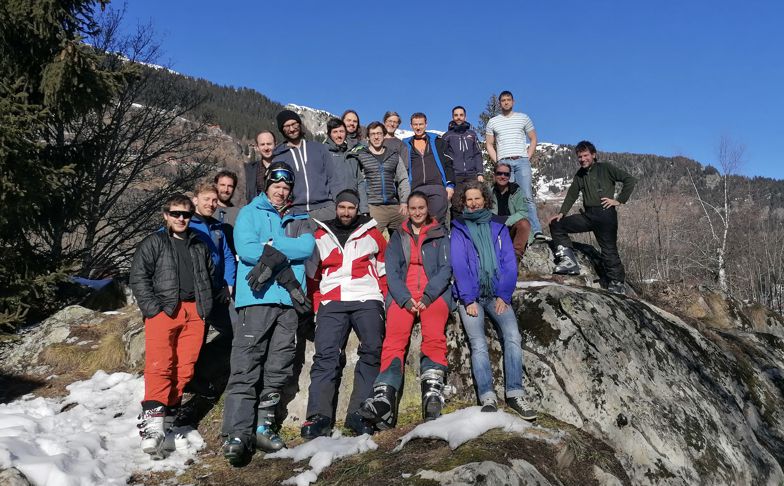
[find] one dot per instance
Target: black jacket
(155, 280)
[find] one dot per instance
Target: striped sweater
(387, 182)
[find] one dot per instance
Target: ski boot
(380, 409)
(432, 382)
(235, 451)
(616, 287)
(152, 432)
(266, 438)
(316, 426)
(357, 424)
(567, 262)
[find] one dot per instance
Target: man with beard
(353, 128)
(316, 182)
(462, 146)
(226, 213)
(345, 168)
(348, 286)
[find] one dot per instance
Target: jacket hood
(463, 127)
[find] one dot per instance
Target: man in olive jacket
(596, 181)
(171, 279)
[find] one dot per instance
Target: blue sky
(665, 77)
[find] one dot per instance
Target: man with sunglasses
(171, 278)
(509, 203)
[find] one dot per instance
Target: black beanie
(285, 116)
(348, 195)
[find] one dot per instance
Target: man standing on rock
(348, 286)
(346, 169)
(506, 142)
(316, 183)
(256, 170)
(596, 181)
(509, 204)
(429, 167)
(226, 213)
(171, 278)
(462, 146)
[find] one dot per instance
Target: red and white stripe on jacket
(354, 272)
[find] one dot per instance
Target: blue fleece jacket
(210, 231)
(465, 262)
(259, 224)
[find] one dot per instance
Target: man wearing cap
(316, 182)
(348, 284)
(269, 297)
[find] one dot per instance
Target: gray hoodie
(315, 183)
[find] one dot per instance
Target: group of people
(352, 234)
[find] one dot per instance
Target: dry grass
(104, 350)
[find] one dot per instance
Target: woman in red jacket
(418, 275)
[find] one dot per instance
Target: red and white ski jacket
(354, 272)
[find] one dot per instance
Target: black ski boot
(316, 426)
(432, 394)
(567, 262)
(236, 451)
(358, 424)
(380, 409)
(267, 439)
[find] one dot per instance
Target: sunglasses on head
(502, 174)
(180, 214)
(281, 175)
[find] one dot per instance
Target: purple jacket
(465, 262)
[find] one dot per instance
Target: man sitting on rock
(596, 181)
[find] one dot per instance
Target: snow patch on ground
(87, 438)
(459, 427)
(322, 452)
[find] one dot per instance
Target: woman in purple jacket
(485, 274)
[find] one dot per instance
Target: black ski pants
(262, 360)
(604, 225)
(334, 321)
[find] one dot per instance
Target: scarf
(478, 224)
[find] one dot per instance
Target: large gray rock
(13, 477)
(519, 473)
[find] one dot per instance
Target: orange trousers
(171, 347)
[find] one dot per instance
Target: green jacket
(596, 182)
(518, 209)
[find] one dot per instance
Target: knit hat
(348, 195)
(285, 116)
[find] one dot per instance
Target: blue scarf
(478, 223)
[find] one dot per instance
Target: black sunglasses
(502, 174)
(180, 214)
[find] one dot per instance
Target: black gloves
(299, 299)
(270, 262)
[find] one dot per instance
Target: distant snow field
(87, 438)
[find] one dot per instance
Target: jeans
(509, 333)
(521, 174)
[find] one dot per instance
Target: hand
(449, 192)
(472, 309)
(419, 306)
(480, 178)
(269, 264)
(500, 306)
(608, 202)
(557, 217)
(403, 209)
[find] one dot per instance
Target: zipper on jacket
(383, 184)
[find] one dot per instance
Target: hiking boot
(152, 430)
(267, 439)
(316, 426)
(235, 451)
(358, 425)
(567, 262)
(521, 407)
(616, 287)
(432, 382)
(380, 409)
(489, 405)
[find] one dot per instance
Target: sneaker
(316, 426)
(616, 287)
(357, 424)
(152, 431)
(521, 407)
(235, 451)
(539, 236)
(489, 405)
